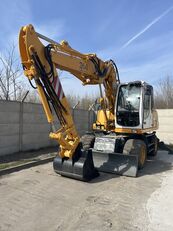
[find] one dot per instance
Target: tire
(136, 147)
(87, 141)
(156, 144)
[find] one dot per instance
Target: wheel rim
(142, 156)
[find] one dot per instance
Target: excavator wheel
(136, 147)
(155, 144)
(87, 141)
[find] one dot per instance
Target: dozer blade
(81, 167)
(117, 163)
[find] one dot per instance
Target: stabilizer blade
(117, 163)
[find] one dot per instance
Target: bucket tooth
(80, 167)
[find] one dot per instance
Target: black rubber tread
(155, 145)
(134, 147)
(87, 141)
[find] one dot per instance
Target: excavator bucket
(126, 165)
(80, 167)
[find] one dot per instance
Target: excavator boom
(39, 63)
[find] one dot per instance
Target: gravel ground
(37, 199)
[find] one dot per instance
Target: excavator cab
(135, 106)
(125, 150)
(128, 105)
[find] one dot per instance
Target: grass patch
(7, 164)
(13, 164)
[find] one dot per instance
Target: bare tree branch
(164, 93)
(9, 74)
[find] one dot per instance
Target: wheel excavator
(124, 131)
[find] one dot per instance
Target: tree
(11, 85)
(164, 93)
(82, 102)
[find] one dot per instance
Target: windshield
(129, 98)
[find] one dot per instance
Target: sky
(137, 35)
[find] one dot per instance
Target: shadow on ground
(166, 147)
(104, 177)
(154, 165)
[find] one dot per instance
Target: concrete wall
(9, 127)
(24, 126)
(165, 132)
(35, 129)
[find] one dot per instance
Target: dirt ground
(38, 199)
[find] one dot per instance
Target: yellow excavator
(124, 131)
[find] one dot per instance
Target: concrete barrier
(9, 127)
(23, 126)
(165, 132)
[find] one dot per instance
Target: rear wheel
(154, 147)
(136, 147)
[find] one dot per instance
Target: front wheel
(87, 141)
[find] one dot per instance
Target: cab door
(148, 107)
